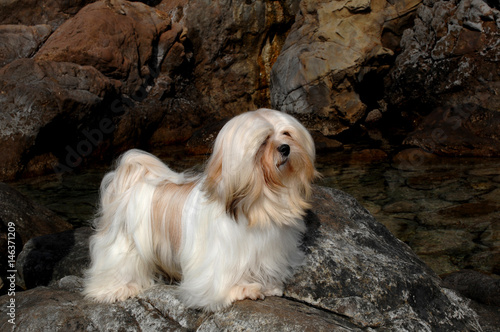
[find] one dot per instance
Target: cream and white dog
(230, 233)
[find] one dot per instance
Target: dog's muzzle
(284, 151)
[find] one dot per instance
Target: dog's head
(262, 167)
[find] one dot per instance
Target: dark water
(447, 210)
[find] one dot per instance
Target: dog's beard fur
(230, 233)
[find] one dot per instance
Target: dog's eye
(286, 133)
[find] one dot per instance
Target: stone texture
(175, 69)
(116, 38)
(168, 72)
(442, 241)
(464, 130)
(31, 220)
(329, 71)
(46, 105)
(21, 41)
(449, 65)
(356, 276)
(474, 285)
(52, 257)
(76, 100)
(32, 12)
(21, 220)
(473, 217)
(62, 308)
(227, 58)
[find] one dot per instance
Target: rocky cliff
(84, 80)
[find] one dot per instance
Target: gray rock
(358, 269)
(21, 220)
(21, 41)
(52, 257)
(30, 219)
(449, 65)
(357, 276)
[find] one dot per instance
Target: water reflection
(446, 209)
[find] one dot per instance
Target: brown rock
(44, 105)
(333, 59)
(463, 130)
(21, 41)
(72, 89)
(474, 217)
(32, 12)
(324, 144)
(401, 207)
(117, 38)
(21, 220)
(368, 155)
(236, 47)
(441, 242)
(474, 285)
(219, 66)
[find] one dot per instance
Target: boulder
(356, 276)
(52, 257)
(144, 50)
(31, 12)
(236, 47)
(329, 72)
(47, 108)
(222, 67)
(465, 130)
(475, 285)
(20, 221)
(21, 41)
(30, 219)
(449, 67)
(118, 38)
(145, 80)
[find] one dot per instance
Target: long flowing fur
(230, 233)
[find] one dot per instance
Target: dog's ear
(213, 179)
(232, 190)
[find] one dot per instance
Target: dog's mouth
(282, 162)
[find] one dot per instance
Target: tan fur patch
(168, 203)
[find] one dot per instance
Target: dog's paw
(110, 295)
(277, 291)
(251, 291)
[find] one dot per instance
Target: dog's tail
(127, 192)
(121, 249)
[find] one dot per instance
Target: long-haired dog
(228, 234)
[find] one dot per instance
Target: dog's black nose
(284, 149)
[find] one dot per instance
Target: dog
(230, 233)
